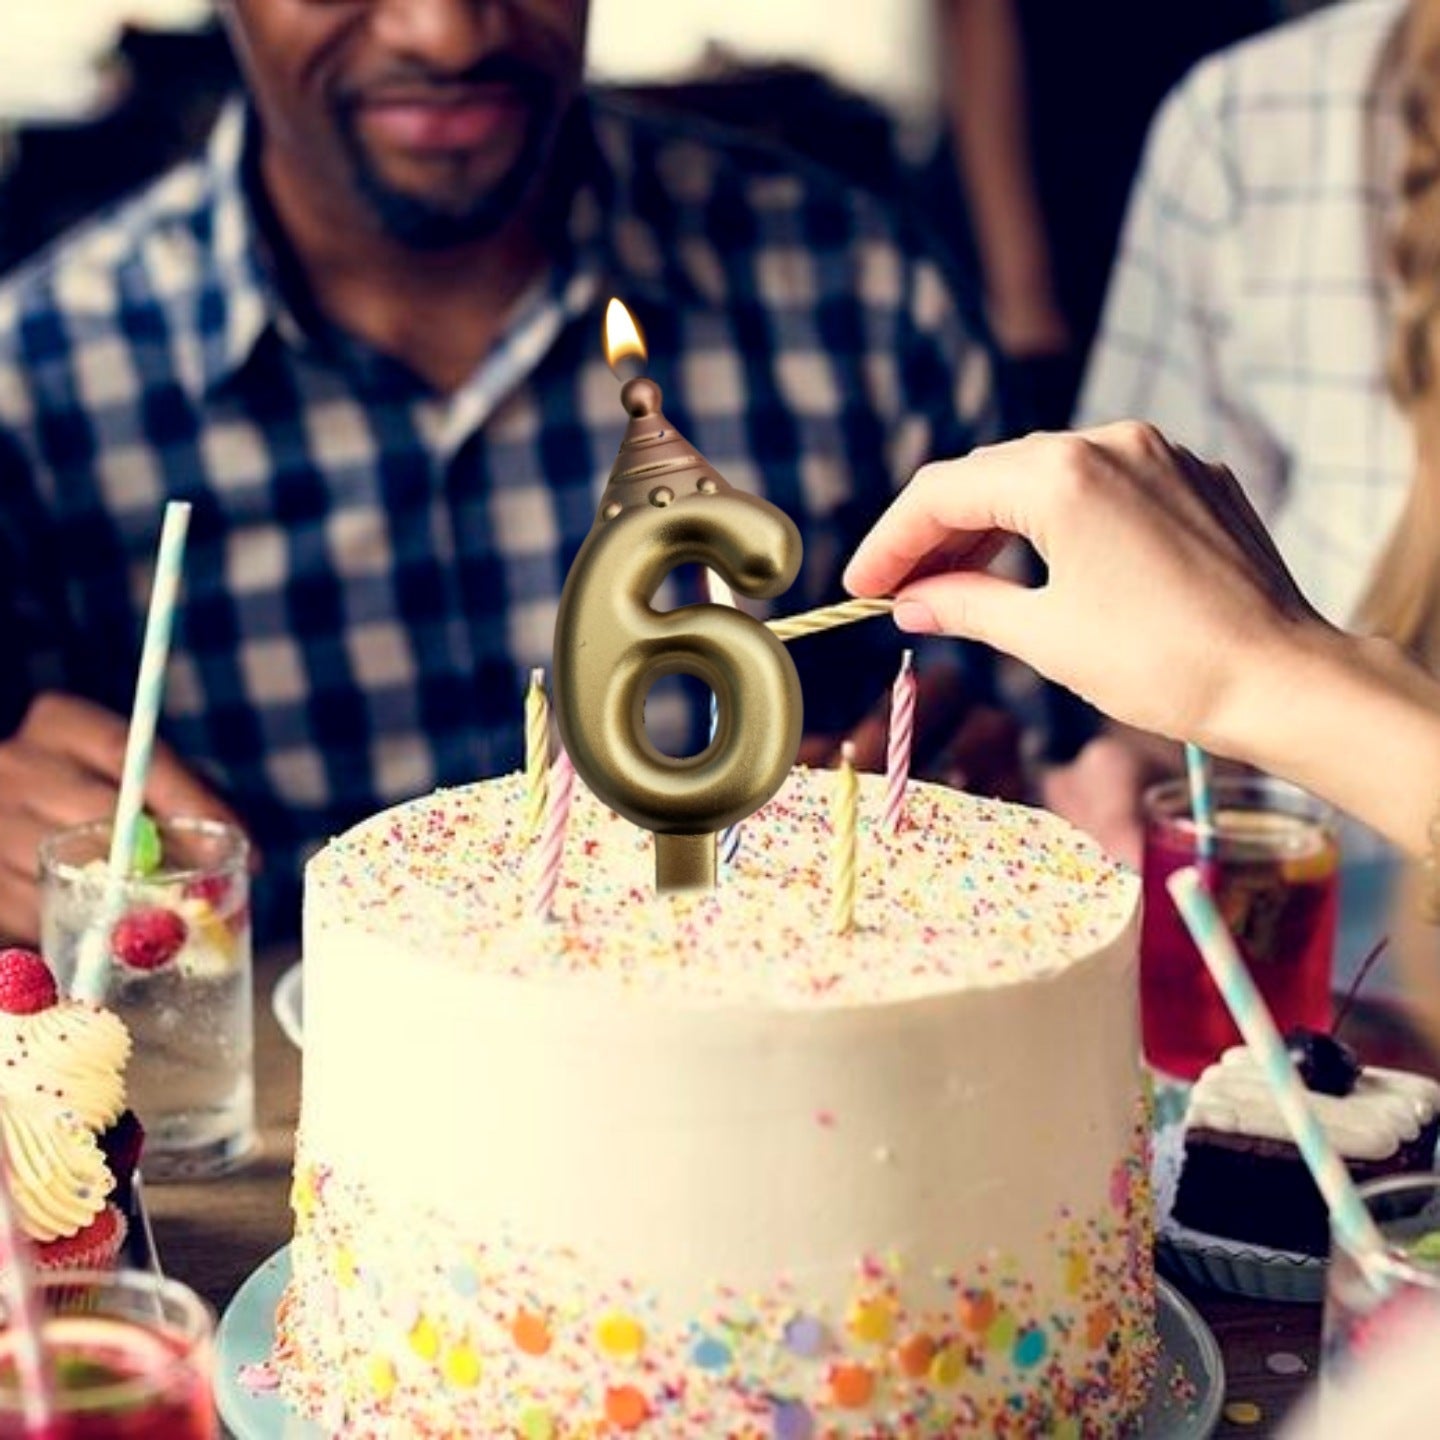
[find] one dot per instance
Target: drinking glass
(131, 1355)
(1275, 877)
(1367, 1306)
(178, 975)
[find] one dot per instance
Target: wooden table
(213, 1235)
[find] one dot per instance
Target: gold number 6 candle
(665, 505)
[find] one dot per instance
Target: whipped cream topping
(1386, 1109)
(969, 893)
(58, 1173)
(62, 1081)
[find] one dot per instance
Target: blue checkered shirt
(373, 567)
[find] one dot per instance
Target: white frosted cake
(691, 1166)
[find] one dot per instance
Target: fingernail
(918, 619)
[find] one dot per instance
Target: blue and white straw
(89, 981)
(1202, 800)
(1351, 1220)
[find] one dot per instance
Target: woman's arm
(1168, 607)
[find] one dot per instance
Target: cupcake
(71, 1144)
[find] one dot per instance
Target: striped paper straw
(847, 821)
(901, 741)
(537, 750)
(94, 958)
(1202, 801)
(1351, 1220)
(552, 839)
(32, 1367)
(729, 843)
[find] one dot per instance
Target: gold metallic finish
(685, 862)
(812, 622)
(661, 496)
(611, 646)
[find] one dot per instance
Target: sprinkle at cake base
(701, 1170)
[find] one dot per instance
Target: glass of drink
(1275, 877)
(131, 1357)
(1371, 1305)
(178, 974)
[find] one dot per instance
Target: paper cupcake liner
(1233, 1267)
(1251, 1271)
(96, 1247)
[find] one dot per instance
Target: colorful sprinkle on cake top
(968, 893)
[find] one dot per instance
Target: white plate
(287, 1001)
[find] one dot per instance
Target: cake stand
(1184, 1411)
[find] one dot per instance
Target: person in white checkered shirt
(1250, 317)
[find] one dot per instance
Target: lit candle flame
(623, 340)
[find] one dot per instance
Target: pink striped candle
(551, 851)
(901, 742)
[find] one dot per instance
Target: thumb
(972, 605)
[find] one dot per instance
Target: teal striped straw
(1202, 800)
(89, 983)
(1351, 1220)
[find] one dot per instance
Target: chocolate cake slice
(1242, 1176)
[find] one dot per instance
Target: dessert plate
(287, 1001)
(1188, 1411)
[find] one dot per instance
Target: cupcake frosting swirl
(58, 1173)
(62, 1082)
(73, 1055)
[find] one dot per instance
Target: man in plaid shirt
(361, 335)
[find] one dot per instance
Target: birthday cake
(694, 1166)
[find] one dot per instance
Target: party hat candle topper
(665, 505)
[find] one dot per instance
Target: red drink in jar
(1275, 876)
(134, 1365)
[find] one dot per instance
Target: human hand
(973, 747)
(62, 767)
(1164, 590)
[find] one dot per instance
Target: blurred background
(1008, 129)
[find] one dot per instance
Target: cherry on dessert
(1326, 1065)
(148, 937)
(26, 984)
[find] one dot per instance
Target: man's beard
(439, 222)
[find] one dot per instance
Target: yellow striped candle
(847, 822)
(537, 751)
(812, 622)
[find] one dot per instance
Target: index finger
(951, 505)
